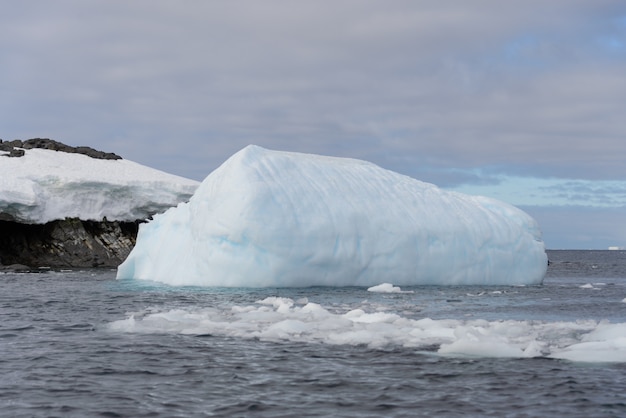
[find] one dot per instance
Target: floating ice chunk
(276, 302)
(476, 294)
(280, 219)
(605, 343)
(387, 288)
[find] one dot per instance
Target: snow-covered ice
(45, 185)
(269, 218)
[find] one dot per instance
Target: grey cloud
(421, 87)
(588, 193)
(566, 227)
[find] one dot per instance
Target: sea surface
(81, 344)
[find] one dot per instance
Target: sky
(521, 100)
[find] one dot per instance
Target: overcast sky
(523, 100)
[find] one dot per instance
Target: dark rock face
(12, 147)
(66, 243)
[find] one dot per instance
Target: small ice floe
(387, 288)
(586, 286)
(624, 300)
(475, 294)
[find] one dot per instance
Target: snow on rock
(269, 218)
(45, 185)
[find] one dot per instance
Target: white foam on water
(279, 319)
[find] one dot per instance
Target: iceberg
(45, 185)
(282, 219)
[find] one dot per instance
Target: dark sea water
(81, 344)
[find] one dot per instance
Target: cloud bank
(457, 93)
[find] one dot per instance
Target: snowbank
(45, 185)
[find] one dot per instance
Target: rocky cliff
(65, 244)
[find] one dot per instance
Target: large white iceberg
(268, 218)
(45, 185)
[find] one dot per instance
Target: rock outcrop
(54, 208)
(65, 243)
(16, 148)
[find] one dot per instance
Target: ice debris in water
(279, 319)
(281, 219)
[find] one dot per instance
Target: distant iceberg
(281, 219)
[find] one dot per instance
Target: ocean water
(80, 343)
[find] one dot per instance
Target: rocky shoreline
(78, 235)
